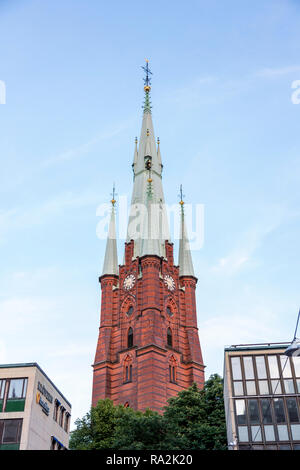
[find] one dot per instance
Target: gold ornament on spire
(113, 200)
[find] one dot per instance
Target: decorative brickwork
(150, 371)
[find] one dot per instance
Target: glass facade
(266, 400)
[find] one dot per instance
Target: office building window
(253, 411)
(248, 368)
(2, 390)
(279, 410)
(269, 433)
(292, 409)
(289, 386)
(238, 388)
(266, 411)
(250, 387)
(283, 432)
(243, 434)
(296, 363)
(295, 428)
(10, 433)
(16, 395)
(55, 411)
(256, 433)
(276, 387)
(285, 366)
(273, 367)
(236, 368)
(263, 387)
(261, 367)
(67, 420)
(240, 411)
(61, 415)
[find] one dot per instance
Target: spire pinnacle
(184, 258)
(148, 220)
(181, 195)
(110, 265)
(147, 82)
(113, 194)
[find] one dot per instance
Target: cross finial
(113, 194)
(147, 82)
(147, 79)
(181, 195)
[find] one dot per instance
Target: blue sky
(229, 132)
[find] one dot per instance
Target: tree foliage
(193, 419)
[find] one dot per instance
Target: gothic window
(130, 338)
(169, 337)
(172, 370)
(130, 310)
(127, 370)
(169, 311)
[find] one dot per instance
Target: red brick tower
(148, 347)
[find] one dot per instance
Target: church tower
(148, 346)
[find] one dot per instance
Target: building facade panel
(262, 397)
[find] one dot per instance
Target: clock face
(129, 282)
(169, 281)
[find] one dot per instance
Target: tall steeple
(147, 203)
(148, 346)
(185, 262)
(110, 265)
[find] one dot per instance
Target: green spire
(185, 262)
(147, 103)
(110, 265)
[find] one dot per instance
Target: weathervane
(147, 79)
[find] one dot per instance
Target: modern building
(262, 397)
(148, 346)
(34, 415)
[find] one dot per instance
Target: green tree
(193, 419)
(140, 431)
(196, 419)
(96, 429)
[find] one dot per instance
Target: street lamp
(294, 347)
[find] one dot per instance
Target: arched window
(169, 311)
(169, 337)
(126, 405)
(127, 377)
(130, 310)
(130, 338)
(172, 369)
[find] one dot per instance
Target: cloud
(277, 72)
(72, 350)
(85, 148)
(242, 255)
(249, 317)
(19, 218)
(19, 312)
